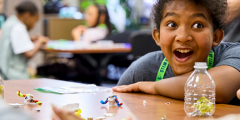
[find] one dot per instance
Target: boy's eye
(171, 24)
(197, 25)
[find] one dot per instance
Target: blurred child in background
(98, 25)
(16, 46)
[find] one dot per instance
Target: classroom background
(131, 30)
(100, 62)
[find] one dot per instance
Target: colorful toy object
(204, 105)
(78, 112)
(113, 101)
(28, 98)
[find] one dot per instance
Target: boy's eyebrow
(170, 14)
(199, 15)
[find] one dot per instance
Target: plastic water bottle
(200, 92)
(1, 88)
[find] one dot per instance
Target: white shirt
(20, 39)
(93, 34)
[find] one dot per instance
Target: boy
(15, 45)
(186, 31)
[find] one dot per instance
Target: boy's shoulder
(155, 57)
(13, 21)
(143, 69)
(227, 54)
(226, 47)
(149, 62)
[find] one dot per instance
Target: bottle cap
(200, 65)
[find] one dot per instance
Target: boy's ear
(156, 36)
(218, 36)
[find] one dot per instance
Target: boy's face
(186, 35)
(31, 20)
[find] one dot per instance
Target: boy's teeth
(183, 50)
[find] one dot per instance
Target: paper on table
(72, 90)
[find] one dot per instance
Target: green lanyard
(164, 65)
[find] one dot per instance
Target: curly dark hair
(216, 8)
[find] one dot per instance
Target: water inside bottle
(199, 94)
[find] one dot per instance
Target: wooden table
(154, 109)
(57, 46)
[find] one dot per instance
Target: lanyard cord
(164, 65)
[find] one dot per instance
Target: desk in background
(58, 46)
(102, 54)
(89, 103)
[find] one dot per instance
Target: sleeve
(128, 75)
(143, 69)
(20, 39)
(231, 57)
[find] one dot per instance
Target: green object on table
(63, 40)
(46, 91)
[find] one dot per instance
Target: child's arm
(37, 45)
(78, 31)
(226, 78)
(34, 38)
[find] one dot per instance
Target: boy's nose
(183, 35)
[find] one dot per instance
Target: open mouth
(183, 55)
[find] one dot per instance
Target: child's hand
(146, 87)
(61, 114)
(43, 39)
(77, 32)
(80, 28)
(34, 38)
(238, 94)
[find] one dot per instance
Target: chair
(119, 59)
(232, 31)
(142, 43)
(119, 37)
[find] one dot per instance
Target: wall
(72, 3)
